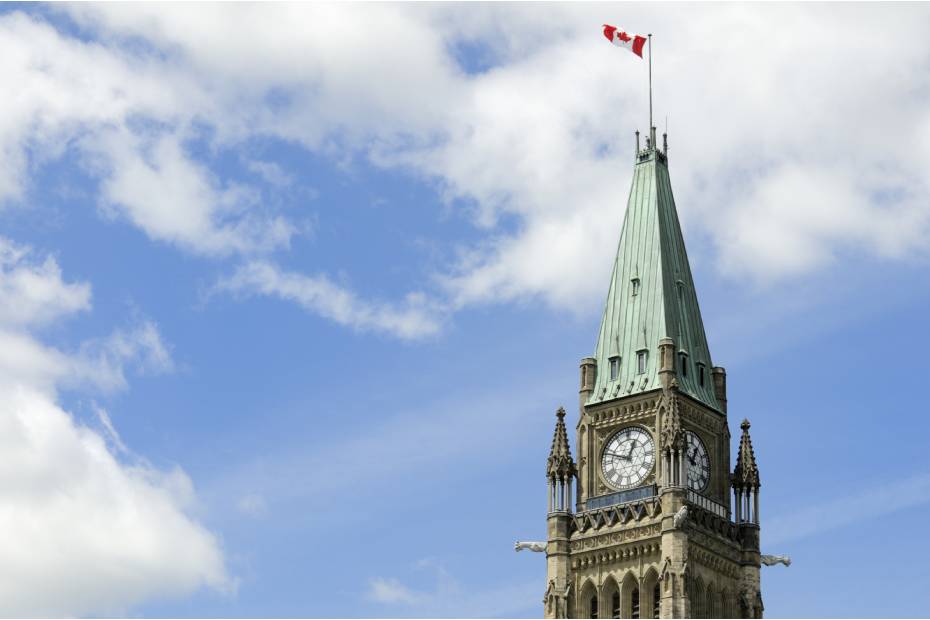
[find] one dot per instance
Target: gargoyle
(772, 560)
(538, 547)
(680, 518)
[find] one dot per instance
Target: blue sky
(292, 293)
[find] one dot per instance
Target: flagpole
(650, 87)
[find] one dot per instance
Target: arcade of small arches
(634, 598)
(711, 601)
(628, 597)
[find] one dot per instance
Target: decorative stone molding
(625, 553)
(616, 515)
(615, 538)
(623, 413)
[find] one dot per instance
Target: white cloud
(416, 318)
(391, 591)
(784, 154)
(160, 190)
(83, 532)
(252, 505)
(449, 598)
(33, 293)
(271, 172)
(102, 363)
(868, 503)
(128, 116)
(110, 430)
(97, 365)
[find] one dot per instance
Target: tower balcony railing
(620, 497)
(708, 504)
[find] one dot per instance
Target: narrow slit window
(684, 364)
(701, 374)
(614, 368)
(635, 286)
(641, 362)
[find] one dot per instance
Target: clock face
(628, 457)
(698, 462)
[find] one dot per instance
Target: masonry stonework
(659, 526)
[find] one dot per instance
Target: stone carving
(538, 547)
(680, 518)
(557, 602)
(672, 435)
(772, 560)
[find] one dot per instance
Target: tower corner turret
(588, 368)
(720, 386)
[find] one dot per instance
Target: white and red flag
(632, 42)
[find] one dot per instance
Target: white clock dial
(698, 462)
(628, 457)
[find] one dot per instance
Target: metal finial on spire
(650, 84)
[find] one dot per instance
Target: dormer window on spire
(641, 357)
(614, 367)
(683, 358)
(634, 283)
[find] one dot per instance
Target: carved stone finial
(746, 472)
(560, 463)
(672, 435)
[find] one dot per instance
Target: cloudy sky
(289, 294)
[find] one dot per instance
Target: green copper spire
(651, 297)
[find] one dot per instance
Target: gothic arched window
(593, 607)
(656, 595)
(634, 603)
(615, 605)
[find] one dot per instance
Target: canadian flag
(632, 42)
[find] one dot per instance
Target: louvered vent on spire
(746, 474)
(560, 462)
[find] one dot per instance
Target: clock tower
(661, 526)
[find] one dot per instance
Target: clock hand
(619, 456)
(632, 446)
